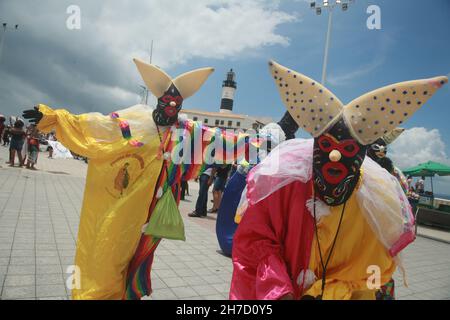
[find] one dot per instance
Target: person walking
(205, 180)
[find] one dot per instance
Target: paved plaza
(39, 216)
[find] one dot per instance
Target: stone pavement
(435, 234)
(39, 215)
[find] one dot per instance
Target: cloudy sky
(91, 69)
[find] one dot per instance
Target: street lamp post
(328, 5)
(3, 35)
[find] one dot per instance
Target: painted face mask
(337, 158)
(342, 132)
(168, 107)
(170, 92)
(377, 151)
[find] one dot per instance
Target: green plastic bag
(166, 221)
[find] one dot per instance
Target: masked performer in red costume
(323, 221)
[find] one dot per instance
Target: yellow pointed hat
(369, 117)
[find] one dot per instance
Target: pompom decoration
(136, 143)
(126, 131)
(335, 156)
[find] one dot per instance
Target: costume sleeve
(259, 269)
(92, 135)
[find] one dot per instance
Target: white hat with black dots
(369, 117)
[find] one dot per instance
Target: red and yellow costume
(311, 199)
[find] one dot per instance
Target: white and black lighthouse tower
(228, 90)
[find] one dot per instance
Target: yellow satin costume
(357, 247)
(125, 161)
(111, 219)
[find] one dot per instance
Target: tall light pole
(328, 5)
(3, 35)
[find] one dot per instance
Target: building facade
(225, 118)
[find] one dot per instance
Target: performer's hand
(33, 115)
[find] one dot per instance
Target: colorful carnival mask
(337, 158)
(166, 112)
(170, 93)
(340, 131)
(377, 151)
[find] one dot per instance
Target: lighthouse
(228, 90)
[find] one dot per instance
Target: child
(51, 137)
(33, 147)
(17, 141)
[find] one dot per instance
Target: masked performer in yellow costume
(129, 172)
(323, 220)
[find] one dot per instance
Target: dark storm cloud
(92, 70)
(48, 63)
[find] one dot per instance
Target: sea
(442, 196)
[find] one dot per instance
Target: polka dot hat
(369, 117)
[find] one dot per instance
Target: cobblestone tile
(185, 292)
(173, 282)
(37, 243)
(21, 270)
(19, 280)
(18, 292)
(48, 269)
(50, 290)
